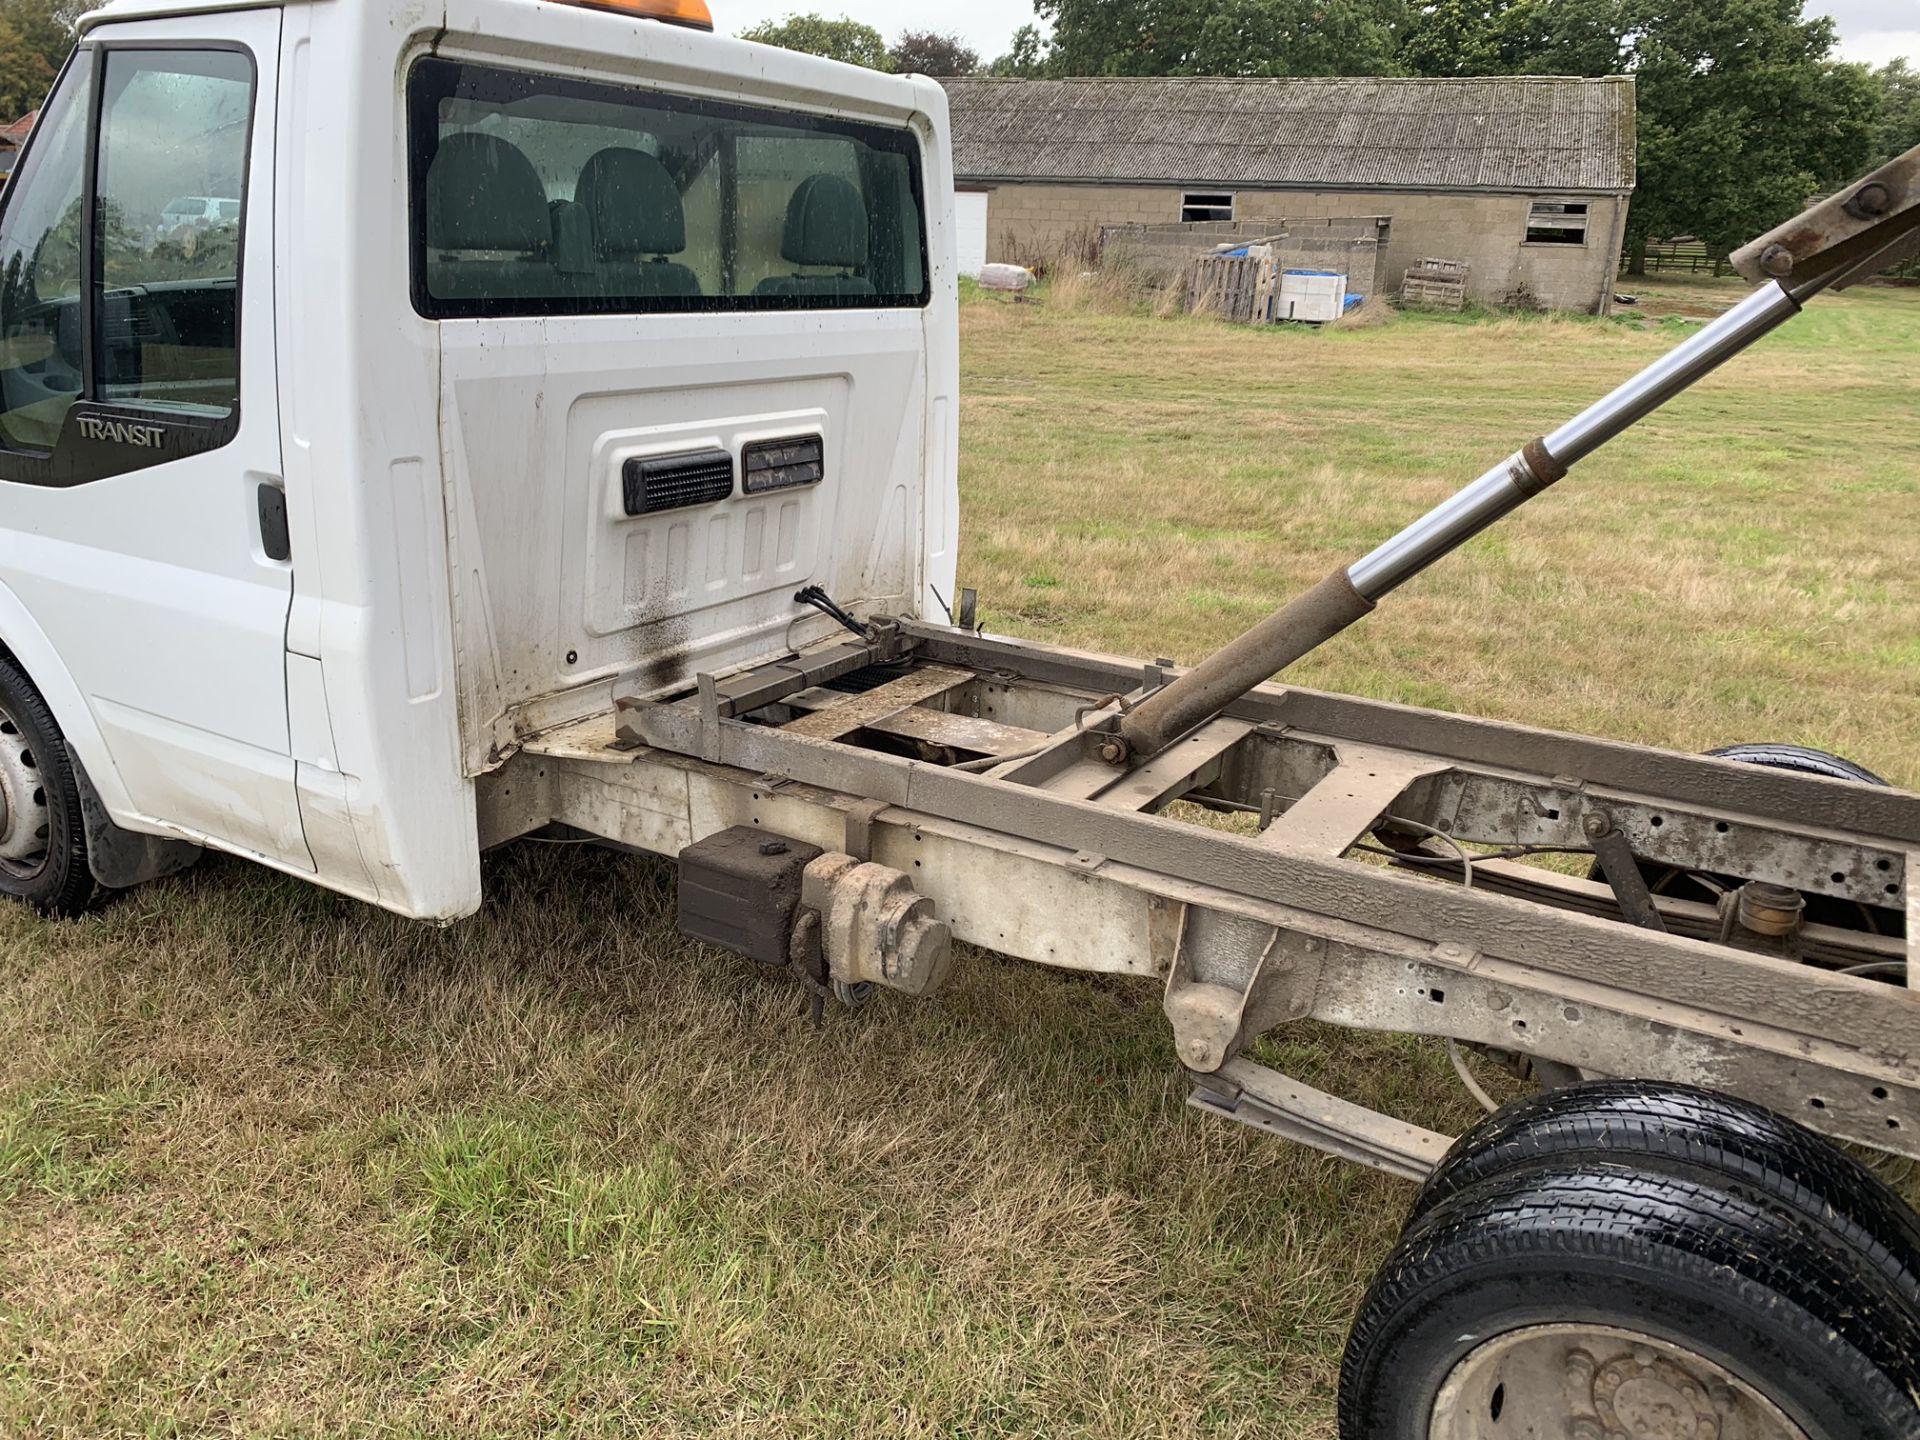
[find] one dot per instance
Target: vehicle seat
(826, 226)
(485, 197)
(636, 219)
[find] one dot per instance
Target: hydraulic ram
(1865, 226)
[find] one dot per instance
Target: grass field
(272, 1164)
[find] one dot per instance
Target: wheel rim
(1589, 1382)
(26, 823)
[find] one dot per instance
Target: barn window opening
(1205, 206)
(1556, 222)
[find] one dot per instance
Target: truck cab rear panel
(801, 295)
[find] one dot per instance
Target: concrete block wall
(1036, 222)
(1029, 223)
(1350, 244)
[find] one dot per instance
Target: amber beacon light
(694, 14)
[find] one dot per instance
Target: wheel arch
(119, 857)
(24, 643)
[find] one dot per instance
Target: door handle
(274, 537)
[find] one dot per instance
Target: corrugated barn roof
(1526, 133)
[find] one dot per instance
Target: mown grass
(272, 1164)
(1740, 567)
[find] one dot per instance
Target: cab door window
(172, 123)
(120, 246)
(42, 321)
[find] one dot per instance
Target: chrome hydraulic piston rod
(1516, 480)
(1844, 237)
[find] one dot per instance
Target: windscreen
(538, 195)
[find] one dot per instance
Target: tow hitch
(842, 924)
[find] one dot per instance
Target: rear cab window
(540, 195)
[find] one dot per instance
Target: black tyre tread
(1801, 759)
(1787, 1253)
(64, 886)
(1690, 1134)
(1616, 1230)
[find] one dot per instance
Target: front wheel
(43, 843)
(1591, 1305)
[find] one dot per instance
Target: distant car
(200, 211)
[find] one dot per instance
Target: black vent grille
(783, 464)
(673, 482)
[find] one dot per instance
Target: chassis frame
(1042, 850)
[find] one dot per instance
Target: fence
(1691, 257)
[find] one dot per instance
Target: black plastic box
(739, 890)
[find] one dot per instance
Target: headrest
(484, 194)
(826, 224)
(632, 204)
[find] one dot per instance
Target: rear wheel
(1802, 760)
(1653, 1127)
(43, 845)
(1636, 1384)
(1706, 888)
(1596, 1305)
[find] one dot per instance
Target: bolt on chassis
(1743, 949)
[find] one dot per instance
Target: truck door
(141, 511)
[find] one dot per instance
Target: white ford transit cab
(526, 348)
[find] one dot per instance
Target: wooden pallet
(1234, 287)
(1435, 284)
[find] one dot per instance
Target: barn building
(1525, 178)
(12, 137)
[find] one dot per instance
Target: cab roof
(808, 80)
(154, 9)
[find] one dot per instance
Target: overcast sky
(1870, 30)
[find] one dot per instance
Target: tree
(1743, 114)
(1457, 37)
(35, 39)
(1521, 37)
(25, 76)
(1295, 37)
(927, 52)
(1742, 117)
(1029, 57)
(841, 39)
(1222, 37)
(46, 26)
(1899, 129)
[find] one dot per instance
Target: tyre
(1593, 1304)
(1685, 1133)
(1801, 760)
(43, 843)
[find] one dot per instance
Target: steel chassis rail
(1053, 855)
